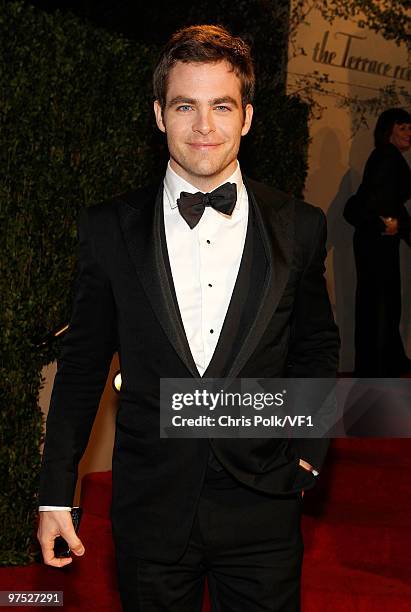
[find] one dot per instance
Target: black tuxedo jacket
(279, 323)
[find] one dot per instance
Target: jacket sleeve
(314, 340)
(379, 195)
(358, 214)
(82, 369)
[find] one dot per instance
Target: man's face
(203, 120)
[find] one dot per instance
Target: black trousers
(247, 544)
(379, 350)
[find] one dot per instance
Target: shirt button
(210, 285)
(208, 242)
(211, 331)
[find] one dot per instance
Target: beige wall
(336, 157)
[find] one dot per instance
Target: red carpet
(357, 533)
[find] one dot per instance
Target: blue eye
(184, 107)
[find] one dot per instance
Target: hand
(391, 226)
(53, 523)
(307, 466)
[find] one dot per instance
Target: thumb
(74, 542)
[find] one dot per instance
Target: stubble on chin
(200, 165)
(196, 168)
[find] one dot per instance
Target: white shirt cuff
(45, 508)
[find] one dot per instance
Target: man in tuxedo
(208, 274)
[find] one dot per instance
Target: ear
(159, 116)
(247, 119)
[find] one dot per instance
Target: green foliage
(277, 151)
(76, 127)
(390, 18)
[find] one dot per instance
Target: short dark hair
(205, 43)
(385, 123)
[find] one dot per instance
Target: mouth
(203, 146)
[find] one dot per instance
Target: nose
(203, 122)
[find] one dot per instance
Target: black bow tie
(192, 205)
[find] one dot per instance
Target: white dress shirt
(204, 264)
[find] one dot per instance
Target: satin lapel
(142, 223)
(274, 214)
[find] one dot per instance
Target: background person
(378, 213)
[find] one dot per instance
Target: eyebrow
(213, 102)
